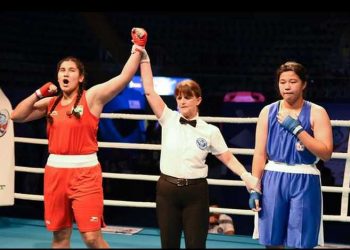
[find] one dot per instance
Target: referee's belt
(180, 182)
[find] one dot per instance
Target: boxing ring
(36, 235)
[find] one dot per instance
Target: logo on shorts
(201, 143)
(299, 146)
(48, 222)
(93, 218)
(4, 119)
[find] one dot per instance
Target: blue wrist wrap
(292, 125)
(253, 196)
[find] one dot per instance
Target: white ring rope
(338, 123)
(345, 189)
(148, 146)
(143, 177)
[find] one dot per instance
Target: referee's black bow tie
(193, 123)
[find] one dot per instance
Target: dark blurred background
(226, 52)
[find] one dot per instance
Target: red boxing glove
(48, 89)
(139, 36)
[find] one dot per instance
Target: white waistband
(295, 169)
(72, 161)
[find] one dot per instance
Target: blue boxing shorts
(291, 212)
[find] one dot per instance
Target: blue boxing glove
(292, 125)
(254, 196)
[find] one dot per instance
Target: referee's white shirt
(184, 148)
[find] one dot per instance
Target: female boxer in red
(73, 176)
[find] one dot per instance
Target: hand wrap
(139, 36)
(292, 125)
(253, 197)
(48, 89)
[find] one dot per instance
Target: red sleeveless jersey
(68, 135)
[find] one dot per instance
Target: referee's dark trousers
(182, 204)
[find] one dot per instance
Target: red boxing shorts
(73, 192)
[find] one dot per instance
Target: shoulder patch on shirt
(201, 143)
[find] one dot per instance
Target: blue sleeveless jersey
(283, 146)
